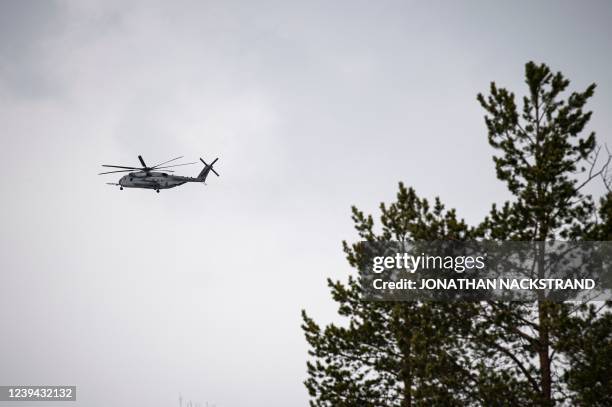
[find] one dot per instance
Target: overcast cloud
(312, 107)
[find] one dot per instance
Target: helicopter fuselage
(153, 180)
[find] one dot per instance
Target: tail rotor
(207, 168)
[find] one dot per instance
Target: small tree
(393, 353)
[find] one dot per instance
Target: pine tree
(415, 353)
(401, 353)
(545, 162)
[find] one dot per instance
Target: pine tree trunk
(544, 356)
(405, 346)
(406, 378)
(544, 337)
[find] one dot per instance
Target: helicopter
(150, 178)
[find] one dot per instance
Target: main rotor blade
(166, 162)
(142, 161)
(112, 172)
(176, 165)
(118, 166)
(137, 170)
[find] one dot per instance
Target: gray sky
(135, 296)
